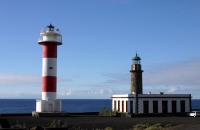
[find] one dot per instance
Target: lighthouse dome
(136, 58)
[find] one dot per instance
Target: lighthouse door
(50, 107)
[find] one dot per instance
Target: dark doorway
(131, 106)
(173, 106)
(164, 107)
(146, 106)
(114, 105)
(126, 106)
(182, 103)
(122, 106)
(155, 106)
(118, 106)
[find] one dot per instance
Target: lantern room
(136, 59)
(50, 34)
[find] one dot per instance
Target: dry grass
(147, 126)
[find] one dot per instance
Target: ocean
(69, 105)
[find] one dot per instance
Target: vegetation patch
(105, 112)
(108, 112)
(147, 126)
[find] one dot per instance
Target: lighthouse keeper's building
(138, 103)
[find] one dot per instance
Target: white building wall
(168, 98)
(178, 108)
(169, 103)
(119, 102)
(159, 105)
(140, 105)
(113, 107)
(116, 104)
(150, 106)
(120, 105)
(187, 105)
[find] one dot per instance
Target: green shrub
(115, 113)
(146, 126)
(140, 126)
(108, 128)
(157, 126)
(154, 128)
(57, 124)
(105, 112)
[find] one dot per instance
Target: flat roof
(151, 95)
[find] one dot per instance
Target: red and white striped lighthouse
(50, 39)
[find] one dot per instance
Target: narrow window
(131, 106)
(146, 107)
(182, 103)
(122, 106)
(174, 106)
(126, 106)
(164, 107)
(155, 106)
(118, 106)
(114, 105)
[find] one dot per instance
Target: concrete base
(65, 114)
(48, 105)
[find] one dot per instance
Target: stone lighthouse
(136, 76)
(137, 102)
(50, 39)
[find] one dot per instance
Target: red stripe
(49, 84)
(50, 51)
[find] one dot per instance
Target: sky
(100, 37)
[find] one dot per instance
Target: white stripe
(48, 106)
(48, 95)
(49, 66)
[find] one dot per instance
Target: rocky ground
(99, 123)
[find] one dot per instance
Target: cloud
(25, 85)
(101, 91)
(65, 92)
(20, 95)
(116, 79)
(111, 83)
(185, 73)
(18, 79)
(96, 93)
(25, 80)
(181, 77)
(173, 89)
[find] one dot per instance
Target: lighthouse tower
(50, 39)
(136, 76)
(137, 102)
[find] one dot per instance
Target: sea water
(69, 105)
